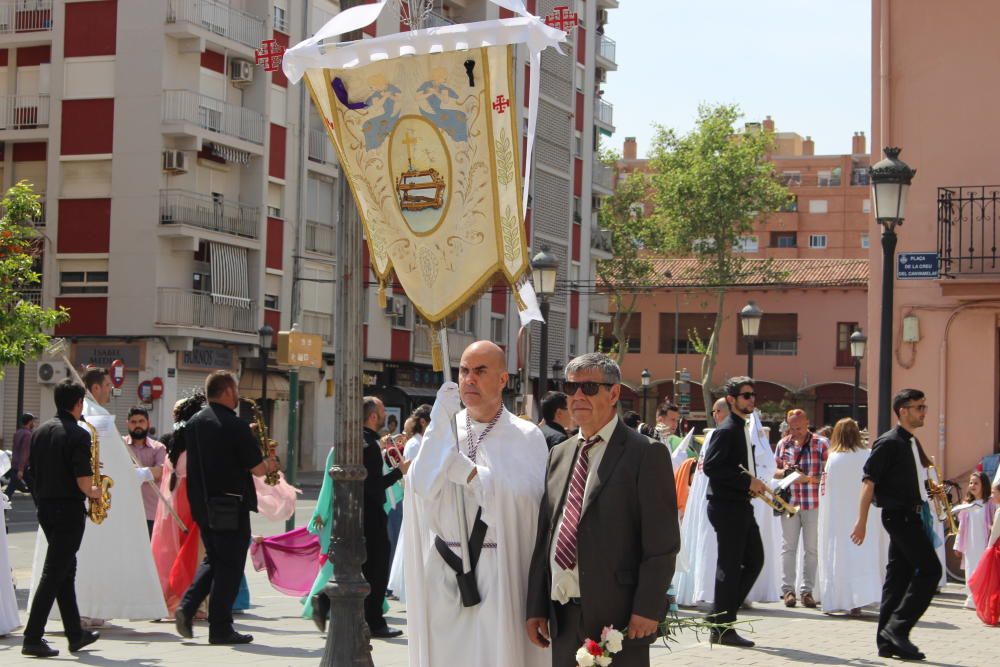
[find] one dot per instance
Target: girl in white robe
(973, 527)
(9, 619)
(850, 576)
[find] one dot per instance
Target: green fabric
(323, 511)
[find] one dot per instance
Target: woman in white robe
(410, 529)
(973, 527)
(850, 576)
(9, 619)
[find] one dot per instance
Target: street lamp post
(266, 334)
(750, 322)
(645, 391)
(557, 368)
(543, 276)
(858, 343)
(890, 178)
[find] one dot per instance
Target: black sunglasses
(589, 388)
(747, 395)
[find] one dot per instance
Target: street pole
(263, 383)
(20, 394)
(857, 383)
(645, 394)
(543, 351)
(291, 464)
(750, 340)
(885, 330)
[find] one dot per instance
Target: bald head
(482, 375)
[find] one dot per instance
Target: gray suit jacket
(628, 537)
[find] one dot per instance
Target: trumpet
(773, 500)
(942, 503)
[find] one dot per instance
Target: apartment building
(190, 198)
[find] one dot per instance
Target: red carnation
(593, 648)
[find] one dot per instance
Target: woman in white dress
(850, 576)
(973, 526)
(9, 619)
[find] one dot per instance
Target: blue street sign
(917, 266)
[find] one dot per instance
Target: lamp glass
(645, 377)
(750, 318)
(266, 334)
(858, 343)
(544, 279)
(890, 200)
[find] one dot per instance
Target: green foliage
(22, 323)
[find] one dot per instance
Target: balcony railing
(604, 111)
(604, 175)
(21, 16)
(317, 323)
(320, 149)
(219, 18)
(212, 114)
(601, 239)
(606, 48)
(320, 237)
(24, 112)
(32, 295)
(967, 230)
(187, 308)
(435, 20)
(180, 207)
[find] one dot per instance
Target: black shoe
(232, 638)
(901, 646)
(891, 652)
(386, 633)
(39, 649)
(729, 638)
(182, 621)
(320, 610)
(86, 639)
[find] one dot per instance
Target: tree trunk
(619, 326)
(708, 361)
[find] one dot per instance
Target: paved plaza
(949, 634)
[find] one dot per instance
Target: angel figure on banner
(377, 129)
(451, 121)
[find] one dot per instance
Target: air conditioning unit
(240, 72)
(51, 372)
(602, 75)
(602, 16)
(174, 161)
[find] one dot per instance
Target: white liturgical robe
(510, 476)
(115, 574)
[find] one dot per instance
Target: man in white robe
(498, 466)
(767, 588)
(115, 576)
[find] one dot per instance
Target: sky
(806, 63)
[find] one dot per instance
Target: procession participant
(556, 419)
(420, 418)
(741, 552)
(767, 588)
(973, 526)
(150, 455)
(316, 605)
(849, 575)
(61, 461)
(893, 477)
(498, 468)
(9, 619)
(605, 509)
(116, 577)
(984, 583)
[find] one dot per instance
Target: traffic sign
(117, 373)
(300, 349)
(145, 391)
(156, 387)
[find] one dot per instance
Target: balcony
(216, 18)
(208, 113)
(967, 231)
(605, 53)
(604, 115)
(24, 112)
(457, 342)
(604, 176)
(21, 17)
(601, 239)
(320, 148)
(187, 308)
(320, 237)
(180, 207)
(435, 20)
(32, 295)
(321, 324)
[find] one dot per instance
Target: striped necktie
(566, 541)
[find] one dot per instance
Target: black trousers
(15, 484)
(63, 523)
(741, 556)
(911, 575)
(219, 575)
(376, 569)
(569, 637)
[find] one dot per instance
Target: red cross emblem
(501, 104)
(270, 54)
(562, 18)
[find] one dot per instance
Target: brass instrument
(942, 502)
(98, 508)
(773, 500)
(268, 446)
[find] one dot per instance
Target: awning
(277, 385)
(419, 392)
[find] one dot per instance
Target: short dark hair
(905, 396)
(666, 407)
(631, 419)
(27, 418)
(421, 413)
(94, 376)
(67, 394)
(370, 407)
(138, 410)
(734, 384)
(218, 382)
(552, 402)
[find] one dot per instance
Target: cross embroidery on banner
(501, 104)
(562, 18)
(270, 54)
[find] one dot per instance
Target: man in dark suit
(607, 529)
(556, 420)
(222, 455)
(741, 552)
(893, 479)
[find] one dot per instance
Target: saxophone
(268, 446)
(98, 508)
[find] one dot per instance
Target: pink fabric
(175, 553)
(984, 584)
(292, 560)
(277, 503)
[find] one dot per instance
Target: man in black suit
(893, 479)
(607, 529)
(222, 454)
(556, 420)
(741, 552)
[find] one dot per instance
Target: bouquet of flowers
(599, 653)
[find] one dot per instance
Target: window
(271, 302)
(784, 240)
(866, 206)
(633, 334)
(498, 328)
(817, 241)
(400, 312)
(778, 336)
(859, 176)
(281, 19)
(746, 244)
(829, 178)
(576, 210)
(577, 145)
(864, 241)
(818, 206)
(702, 245)
(689, 328)
(792, 205)
(844, 331)
(465, 323)
(636, 209)
(83, 276)
(581, 74)
(572, 342)
(791, 178)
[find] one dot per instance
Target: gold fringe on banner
(382, 303)
(437, 356)
(521, 306)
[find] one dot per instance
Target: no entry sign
(117, 372)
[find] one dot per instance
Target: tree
(22, 323)
(709, 188)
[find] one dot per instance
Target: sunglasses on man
(747, 395)
(588, 388)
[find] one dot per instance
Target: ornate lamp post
(750, 322)
(543, 276)
(646, 375)
(266, 334)
(858, 343)
(557, 368)
(890, 179)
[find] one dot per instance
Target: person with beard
(150, 456)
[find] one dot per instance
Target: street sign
(117, 373)
(300, 349)
(145, 391)
(156, 387)
(917, 266)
